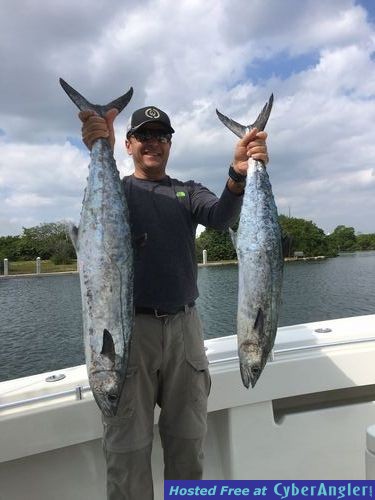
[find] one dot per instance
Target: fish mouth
(250, 374)
(251, 366)
(108, 403)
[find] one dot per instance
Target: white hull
(291, 426)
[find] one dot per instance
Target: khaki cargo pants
(167, 366)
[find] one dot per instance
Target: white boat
(306, 418)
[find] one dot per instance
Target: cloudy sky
(189, 57)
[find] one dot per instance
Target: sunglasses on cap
(147, 135)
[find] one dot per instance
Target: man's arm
(211, 211)
(221, 213)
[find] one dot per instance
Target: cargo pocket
(199, 381)
(197, 377)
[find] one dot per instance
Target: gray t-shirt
(164, 216)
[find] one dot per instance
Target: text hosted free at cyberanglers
(268, 489)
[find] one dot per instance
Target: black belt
(159, 313)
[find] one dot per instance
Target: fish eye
(112, 397)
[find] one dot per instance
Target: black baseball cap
(149, 114)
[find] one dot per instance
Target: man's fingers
(250, 136)
(253, 135)
(93, 128)
(111, 115)
(257, 149)
(262, 135)
(90, 136)
(85, 115)
(261, 157)
(253, 145)
(94, 119)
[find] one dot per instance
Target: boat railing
(287, 350)
(78, 391)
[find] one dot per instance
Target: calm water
(41, 325)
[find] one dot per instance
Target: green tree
(62, 253)
(44, 240)
(218, 244)
(343, 239)
(9, 247)
(300, 235)
(365, 241)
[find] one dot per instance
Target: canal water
(41, 323)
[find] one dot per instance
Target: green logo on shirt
(180, 194)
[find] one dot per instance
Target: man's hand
(252, 145)
(95, 127)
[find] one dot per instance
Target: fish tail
(262, 118)
(241, 130)
(83, 104)
(235, 127)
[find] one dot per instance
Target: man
(168, 364)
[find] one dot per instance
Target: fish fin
(78, 99)
(233, 237)
(108, 347)
(120, 102)
(263, 116)
(235, 127)
(83, 104)
(259, 321)
(241, 130)
(73, 233)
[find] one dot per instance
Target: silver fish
(260, 262)
(105, 259)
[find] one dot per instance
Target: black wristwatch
(236, 177)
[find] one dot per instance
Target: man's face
(149, 146)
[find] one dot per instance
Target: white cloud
(189, 58)
(40, 183)
(30, 200)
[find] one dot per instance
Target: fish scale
(260, 262)
(105, 260)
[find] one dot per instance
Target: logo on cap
(152, 113)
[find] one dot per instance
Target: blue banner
(279, 490)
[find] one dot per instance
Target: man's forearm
(236, 187)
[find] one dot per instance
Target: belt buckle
(159, 315)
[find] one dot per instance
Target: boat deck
(305, 419)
